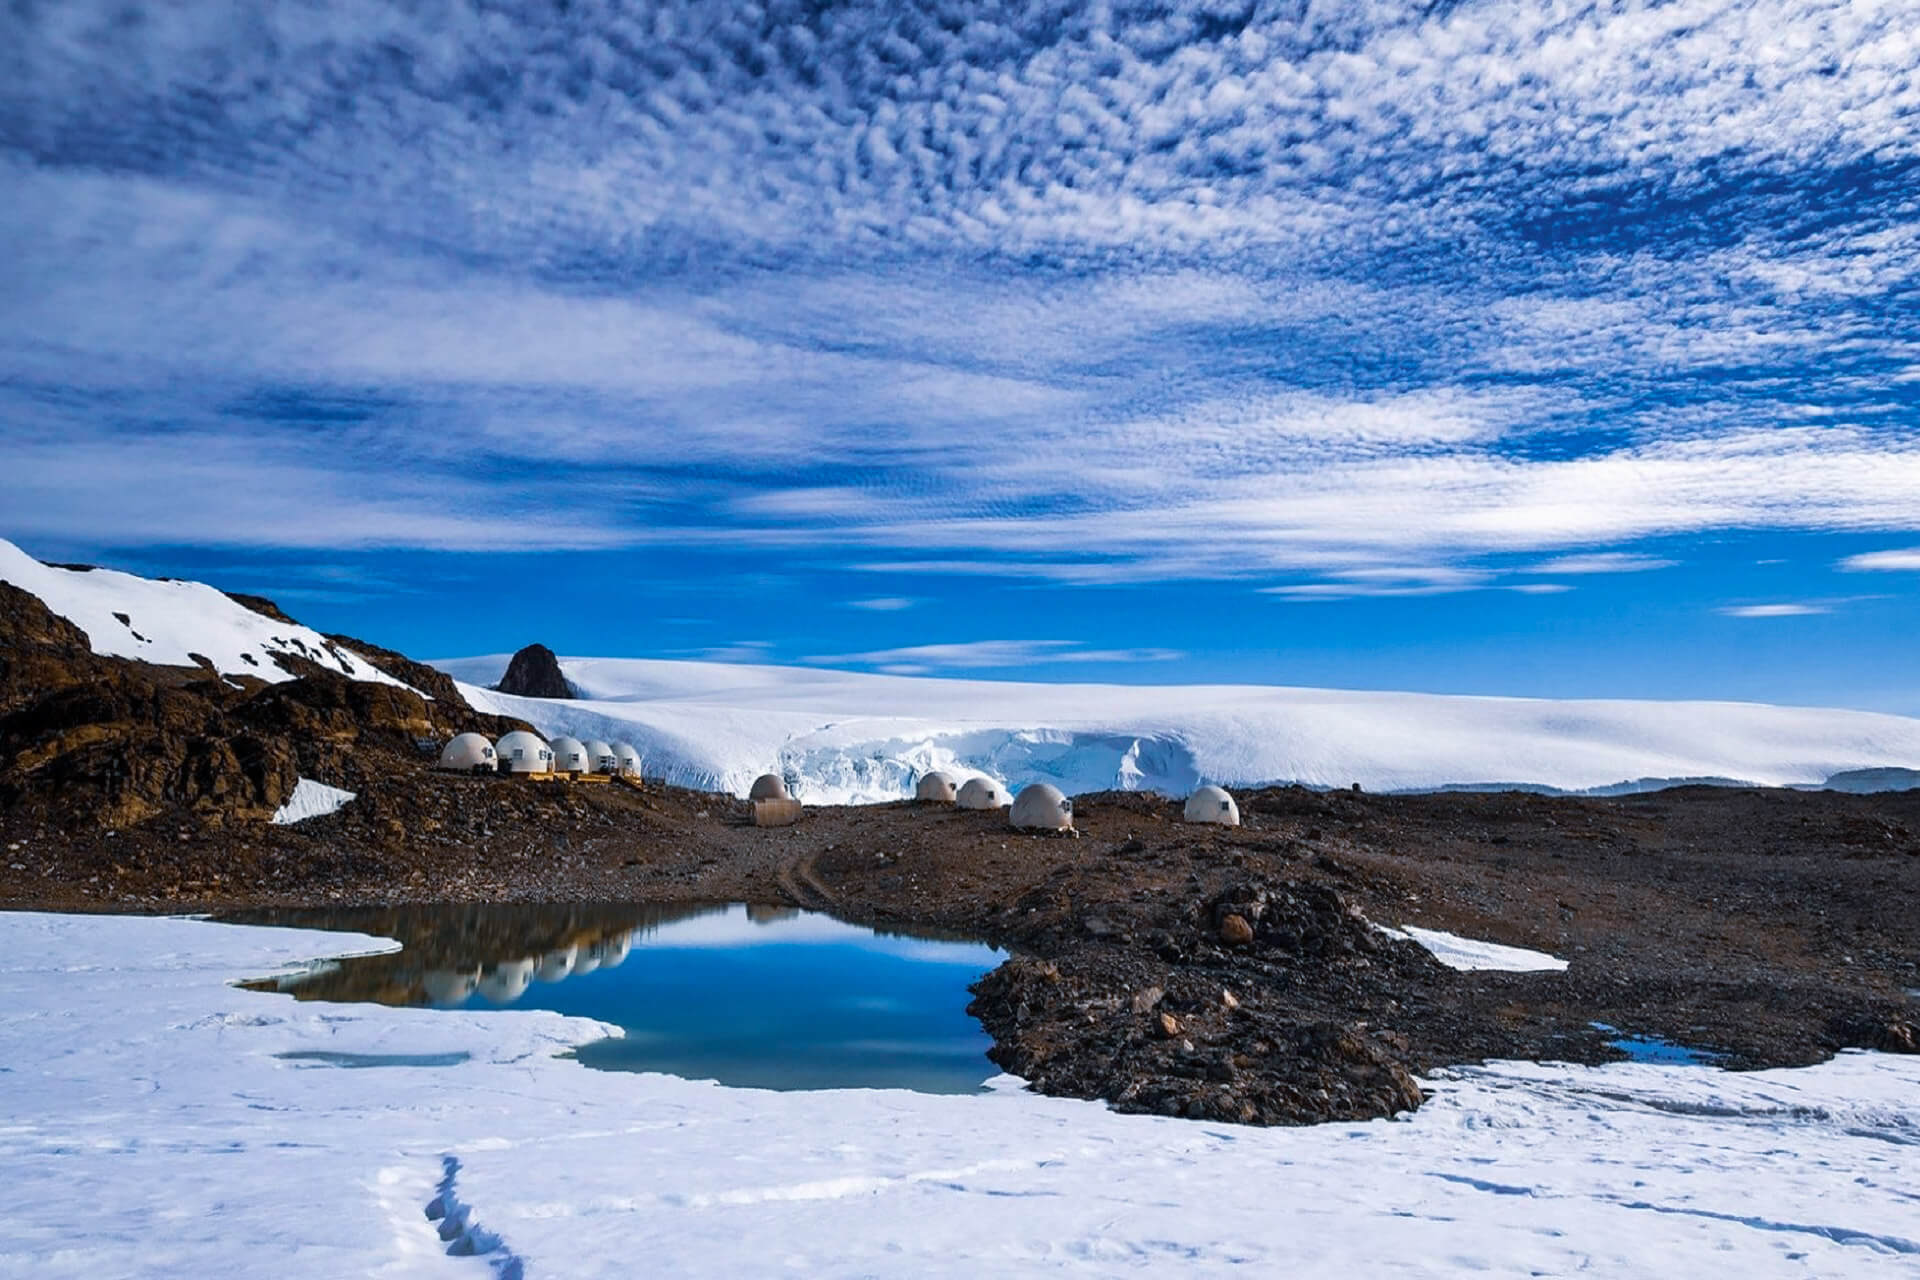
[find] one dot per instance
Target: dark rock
(535, 673)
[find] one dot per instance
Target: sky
(1525, 348)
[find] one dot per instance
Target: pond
(764, 997)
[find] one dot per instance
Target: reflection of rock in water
(451, 952)
(760, 914)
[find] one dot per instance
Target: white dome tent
(467, 753)
(768, 786)
(523, 752)
(936, 787)
(570, 755)
(981, 793)
(1041, 806)
(626, 759)
(1214, 805)
(600, 757)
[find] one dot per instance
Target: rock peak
(535, 673)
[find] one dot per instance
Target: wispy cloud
(1907, 559)
(882, 604)
(981, 655)
(1784, 610)
(1602, 562)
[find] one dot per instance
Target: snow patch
(1456, 952)
(178, 624)
(139, 1080)
(847, 738)
(311, 799)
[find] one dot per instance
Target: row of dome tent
(524, 752)
(1042, 806)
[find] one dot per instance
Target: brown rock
(1145, 999)
(1235, 931)
(1169, 1025)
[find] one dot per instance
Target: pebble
(1235, 931)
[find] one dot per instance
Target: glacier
(850, 737)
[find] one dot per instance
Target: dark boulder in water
(535, 673)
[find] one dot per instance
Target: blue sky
(1526, 348)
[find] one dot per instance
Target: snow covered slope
(842, 737)
(176, 624)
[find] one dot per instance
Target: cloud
(743, 651)
(1774, 610)
(1908, 559)
(882, 604)
(1602, 562)
(1089, 297)
(977, 655)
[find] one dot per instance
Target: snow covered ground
(841, 737)
(161, 1122)
(175, 623)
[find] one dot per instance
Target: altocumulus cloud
(1134, 291)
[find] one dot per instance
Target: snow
(161, 1121)
(845, 737)
(175, 624)
(310, 799)
(1456, 952)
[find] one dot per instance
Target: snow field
(155, 1125)
(849, 738)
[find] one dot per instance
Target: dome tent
(1212, 804)
(467, 753)
(936, 787)
(570, 755)
(981, 793)
(1041, 806)
(523, 752)
(768, 786)
(626, 759)
(600, 757)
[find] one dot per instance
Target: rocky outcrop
(113, 742)
(1240, 1007)
(87, 740)
(535, 673)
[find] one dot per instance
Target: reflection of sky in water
(1658, 1052)
(802, 1002)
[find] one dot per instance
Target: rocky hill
(96, 740)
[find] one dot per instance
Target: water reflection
(770, 997)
